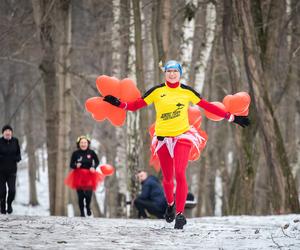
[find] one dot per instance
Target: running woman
(173, 135)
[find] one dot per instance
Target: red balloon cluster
(195, 117)
(125, 90)
(237, 104)
(107, 169)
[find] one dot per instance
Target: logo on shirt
(89, 156)
(180, 105)
(173, 114)
(163, 95)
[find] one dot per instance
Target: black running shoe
(170, 213)
(88, 211)
(3, 207)
(180, 221)
(9, 209)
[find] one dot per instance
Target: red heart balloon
(195, 117)
(212, 116)
(107, 85)
(101, 110)
(126, 90)
(237, 104)
(107, 169)
(152, 130)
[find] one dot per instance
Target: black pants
(150, 206)
(87, 195)
(10, 181)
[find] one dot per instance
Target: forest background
(52, 51)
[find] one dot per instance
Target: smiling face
(83, 144)
(172, 75)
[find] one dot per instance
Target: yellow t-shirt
(171, 106)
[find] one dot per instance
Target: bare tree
(63, 25)
(43, 13)
(284, 196)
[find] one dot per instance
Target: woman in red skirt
(84, 177)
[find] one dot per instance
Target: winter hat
(172, 64)
(5, 127)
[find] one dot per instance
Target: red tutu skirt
(196, 137)
(83, 179)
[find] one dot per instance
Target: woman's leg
(88, 198)
(11, 184)
(166, 163)
(181, 157)
(80, 194)
(3, 193)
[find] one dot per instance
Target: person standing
(174, 137)
(10, 155)
(84, 177)
(152, 198)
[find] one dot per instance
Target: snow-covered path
(243, 232)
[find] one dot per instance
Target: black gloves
(242, 121)
(112, 100)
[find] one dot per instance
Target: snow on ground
(33, 228)
(21, 202)
(241, 232)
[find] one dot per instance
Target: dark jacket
(152, 190)
(9, 155)
(87, 158)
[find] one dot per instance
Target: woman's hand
(243, 121)
(112, 100)
(92, 169)
(78, 165)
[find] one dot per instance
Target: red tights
(179, 164)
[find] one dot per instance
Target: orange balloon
(128, 90)
(227, 100)
(243, 113)
(212, 116)
(195, 117)
(125, 89)
(107, 85)
(101, 110)
(107, 169)
(237, 104)
(152, 130)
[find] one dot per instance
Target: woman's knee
(180, 177)
(168, 182)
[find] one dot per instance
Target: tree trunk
(165, 27)
(133, 149)
(30, 148)
(295, 79)
(139, 70)
(242, 190)
(156, 37)
(43, 13)
(64, 104)
(199, 39)
(124, 32)
(284, 198)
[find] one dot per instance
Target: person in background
(10, 155)
(173, 136)
(152, 198)
(84, 177)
